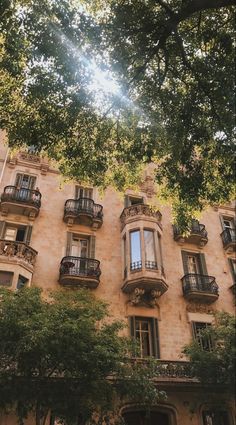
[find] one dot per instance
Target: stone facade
(154, 289)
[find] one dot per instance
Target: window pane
(149, 245)
(143, 336)
(6, 278)
(135, 248)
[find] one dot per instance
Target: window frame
(205, 343)
(87, 192)
(153, 332)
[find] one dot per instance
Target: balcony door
(24, 183)
(79, 247)
(193, 263)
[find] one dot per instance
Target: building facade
(165, 286)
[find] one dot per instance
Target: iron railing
(21, 195)
(199, 283)
(83, 205)
(18, 250)
(196, 229)
(228, 236)
(176, 369)
(79, 266)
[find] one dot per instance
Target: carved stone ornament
(18, 250)
(139, 210)
(148, 186)
(140, 297)
(199, 308)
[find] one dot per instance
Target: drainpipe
(4, 165)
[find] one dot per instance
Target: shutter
(232, 269)
(2, 229)
(92, 241)
(132, 326)
(202, 264)
(18, 180)
(185, 261)
(194, 330)
(68, 244)
(126, 201)
(155, 339)
(132, 334)
(222, 222)
(28, 232)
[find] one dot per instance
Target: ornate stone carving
(148, 186)
(29, 157)
(136, 296)
(139, 210)
(140, 297)
(18, 250)
(199, 308)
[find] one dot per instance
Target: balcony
(17, 253)
(197, 236)
(20, 201)
(228, 237)
(144, 282)
(139, 212)
(79, 272)
(83, 211)
(200, 288)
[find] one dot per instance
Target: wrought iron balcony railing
(228, 237)
(18, 250)
(196, 229)
(199, 283)
(80, 267)
(83, 205)
(22, 196)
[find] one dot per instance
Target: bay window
(143, 250)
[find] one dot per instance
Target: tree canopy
(105, 87)
(62, 356)
(216, 366)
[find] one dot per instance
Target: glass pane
(149, 245)
(135, 246)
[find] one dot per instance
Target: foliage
(217, 365)
(63, 355)
(174, 66)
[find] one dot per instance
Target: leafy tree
(173, 62)
(63, 355)
(216, 366)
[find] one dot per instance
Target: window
(22, 281)
(145, 250)
(149, 247)
(125, 255)
(80, 245)
(227, 223)
(133, 200)
(232, 263)
(83, 192)
(215, 417)
(6, 278)
(194, 263)
(145, 332)
(135, 250)
(204, 341)
(15, 232)
(25, 181)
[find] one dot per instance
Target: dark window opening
(204, 341)
(22, 281)
(215, 417)
(6, 278)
